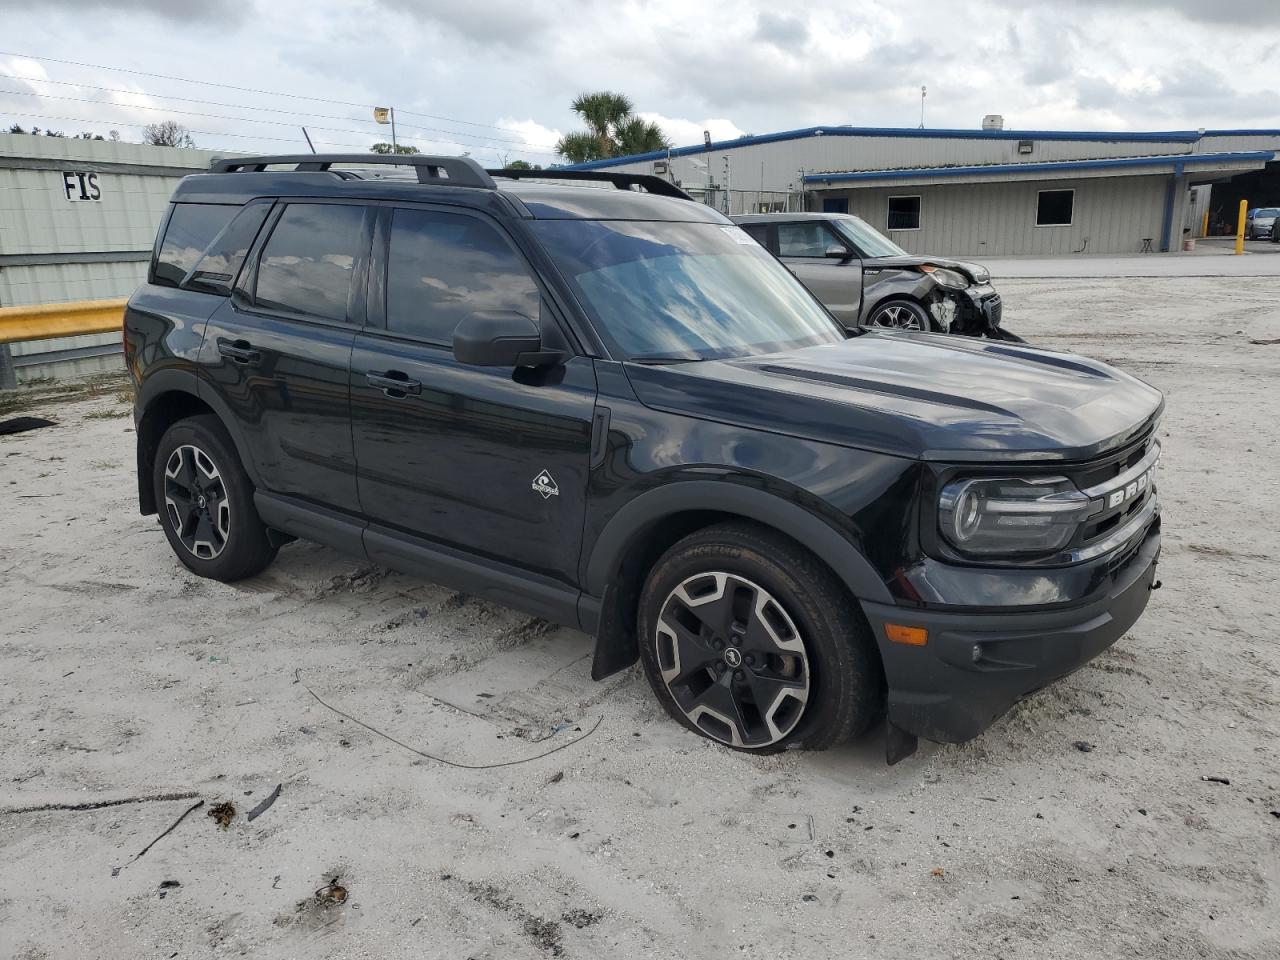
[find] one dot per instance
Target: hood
(976, 272)
(922, 396)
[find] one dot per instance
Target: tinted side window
(308, 262)
(758, 232)
(444, 266)
(805, 239)
(191, 227)
(216, 270)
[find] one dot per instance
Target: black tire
(206, 506)
(898, 314)
(837, 661)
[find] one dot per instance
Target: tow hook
(1155, 585)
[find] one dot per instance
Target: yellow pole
(1244, 213)
(1204, 224)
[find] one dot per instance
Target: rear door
(488, 461)
(802, 246)
(278, 351)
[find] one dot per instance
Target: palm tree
(639, 136)
(612, 130)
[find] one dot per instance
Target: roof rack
(623, 181)
(444, 171)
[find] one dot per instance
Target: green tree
(612, 129)
(399, 148)
(521, 165)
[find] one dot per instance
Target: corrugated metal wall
(55, 249)
(1113, 215)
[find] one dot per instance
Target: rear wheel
(900, 315)
(205, 500)
(749, 640)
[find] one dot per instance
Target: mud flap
(898, 744)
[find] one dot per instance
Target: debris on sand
(334, 892)
(223, 814)
(23, 424)
(1084, 746)
(1222, 780)
(265, 805)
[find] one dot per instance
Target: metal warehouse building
(77, 222)
(975, 192)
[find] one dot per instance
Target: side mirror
(839, 252)
(501, 338)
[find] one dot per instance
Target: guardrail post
(8, 374)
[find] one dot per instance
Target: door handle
(241, 351)
(394, 383)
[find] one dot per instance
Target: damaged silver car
(867, 280)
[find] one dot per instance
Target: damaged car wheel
(750, 641)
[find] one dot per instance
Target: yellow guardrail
(51, 320)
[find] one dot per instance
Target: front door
(277, 352)
(802, 246)
(488, 461)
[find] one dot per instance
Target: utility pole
(923, 92)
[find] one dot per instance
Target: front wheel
(749, 640)
(900, 315)
(205, 500)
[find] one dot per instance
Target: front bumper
(975, 666)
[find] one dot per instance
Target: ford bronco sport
(605, 404)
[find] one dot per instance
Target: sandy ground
(123, 676)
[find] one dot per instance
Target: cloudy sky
(496, 77)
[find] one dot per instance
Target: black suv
(614, 409)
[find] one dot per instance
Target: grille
(994, 309)
(1125, 476)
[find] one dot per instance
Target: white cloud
(500, 83)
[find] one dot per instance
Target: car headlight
(991, 517)
(946, 278)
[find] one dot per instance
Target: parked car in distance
(1259, 223)
(607, 406)
(865, 279)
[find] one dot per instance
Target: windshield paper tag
(738, 235)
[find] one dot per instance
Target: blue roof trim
(1101, 136)
(1175, 160)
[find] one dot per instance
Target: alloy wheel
(896, 317)
(732, 659)
(195, 498)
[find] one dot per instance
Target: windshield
(868, 241)
(683, 291)
(1270, 212)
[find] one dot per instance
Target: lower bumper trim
(976, 666)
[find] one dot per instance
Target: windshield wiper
(655, 361)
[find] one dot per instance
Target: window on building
(444, 266)
(191, 228)
(1054, 208)
(807, 238)
(904, 213)
(309, 260)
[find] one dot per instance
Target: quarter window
(191, 228)
(758, 232)
(445, 266)
(808, 238)
(1054, 208)
(217, 267)
(309, 260)
(904, 213)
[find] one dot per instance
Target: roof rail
(444, 171)
(623, 181)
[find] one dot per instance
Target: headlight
(1007, 516)
(946, 278)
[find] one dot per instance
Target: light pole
(923, 92)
